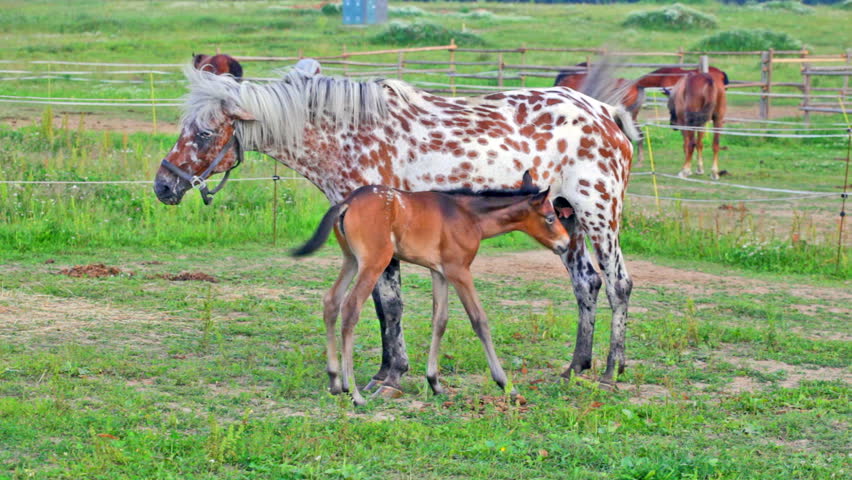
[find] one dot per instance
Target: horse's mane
(285, 107)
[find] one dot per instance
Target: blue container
(364, 12)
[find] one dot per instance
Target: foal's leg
(717, 126)
(388, 301)
(463, 282)
(331, 308)
(618, 288)
(439, 325)
(586, 283)
(367, 277)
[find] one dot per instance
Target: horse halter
(200, 181)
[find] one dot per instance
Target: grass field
(738, 342)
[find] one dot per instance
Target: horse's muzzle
(169, 189)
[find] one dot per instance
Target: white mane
(284, 108)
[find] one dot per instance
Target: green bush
(747, 40)
(332, 9)
(845, 5)
(783, 5)
(424, 33)
(406, 11)
(674, 17)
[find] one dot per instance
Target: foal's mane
(284, 108)
(484, 201)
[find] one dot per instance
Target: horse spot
(440, 178)
(518, 165)
(482, 141)
(603, 168)
(491, 154)
(584, 192)
(537, 161)
(545, 175)
(467, 165)
(525, 147)
(521, 115)
(496, 96)
(604, 152)
(527, 131)
(543, 119)
(600, 206)
(587, 129)
(585, 183)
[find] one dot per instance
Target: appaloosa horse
(441, 231)
(695, 99)
(342, 134)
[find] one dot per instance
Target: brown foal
(438, 230)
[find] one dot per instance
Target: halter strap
(199, 182)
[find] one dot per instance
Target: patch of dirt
(542, 264)
(94, 270)
(188, 277)
(29, 319)
(93, 121)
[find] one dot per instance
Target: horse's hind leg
(439, 325)
(388, 301)
(618, 288)
(463, 282)
(331, 308)
(367, 277)
(717, 126)
(586, 283)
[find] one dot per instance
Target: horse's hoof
(699, 172)
(714, 176)
(374, 384)
(388, 392)
(607, 384)
(684, 174)
(437, 389)
(358, 400)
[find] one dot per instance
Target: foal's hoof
(388, 392)
(684, 173)
(373, 385)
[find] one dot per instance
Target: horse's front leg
(688, 147)
(587, 283)
(699, 148)
(387, 297)
(439, 326)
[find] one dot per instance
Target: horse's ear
(540, 197)
(197, 59)
(527, 182)
(235, 111)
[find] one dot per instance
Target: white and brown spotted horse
(341, 134)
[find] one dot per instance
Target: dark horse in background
(695, 99)
(667, 77)
(220, 64)
(341, 134)
(602, 83)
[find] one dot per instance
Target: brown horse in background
(668, 77)
(695, 99)
(438, 230)
(219, 64)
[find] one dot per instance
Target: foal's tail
(322, 233)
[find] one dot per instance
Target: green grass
(738, 337)
(138, 377)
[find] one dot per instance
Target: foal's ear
(540, 198)
(527, 182)
(235, 111)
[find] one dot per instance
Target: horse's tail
(624, 120)
(322, 232)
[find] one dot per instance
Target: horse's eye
(550, 219)
(204, 134)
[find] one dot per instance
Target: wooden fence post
(680, 54)
(343, 55)
(400, 62)
(806, 92)
(703, 64)
(766, 79)
(453, 66)
(523, 62)
(500, 69)
(845, 90)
